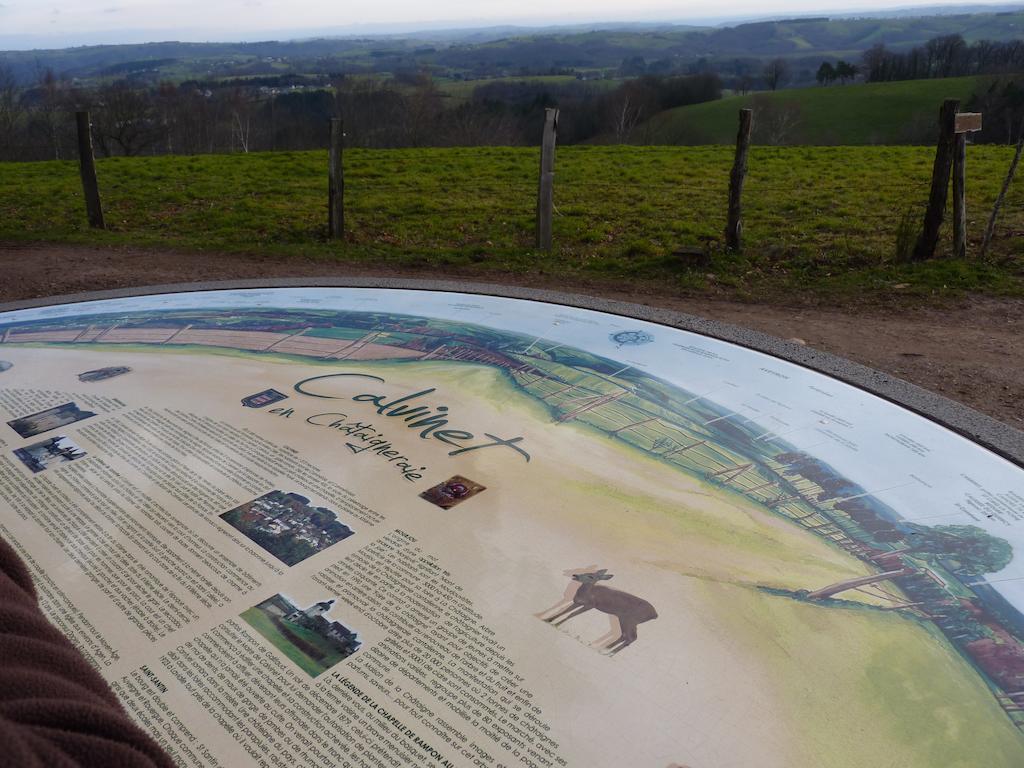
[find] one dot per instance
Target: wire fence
(622, 204)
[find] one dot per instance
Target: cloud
(114, 9)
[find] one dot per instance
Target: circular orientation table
(397, 523)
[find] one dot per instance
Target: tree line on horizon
(409, 109)
(945, 56)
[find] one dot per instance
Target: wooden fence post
(546, 190)
(734, 225)
(960, 195)
(336, 191)
(929, 238)
(87, 166)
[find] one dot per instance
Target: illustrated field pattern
(931, 575)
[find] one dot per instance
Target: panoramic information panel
(362, 527)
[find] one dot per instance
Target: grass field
(865, 113)
(820, 222)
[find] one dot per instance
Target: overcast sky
(31, 23)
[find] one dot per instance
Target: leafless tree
(48, 113)
(241, 107)
(776, 121)
(776, 72)
(630, 105)
(125, 120)
(11, 113)
(423, 111)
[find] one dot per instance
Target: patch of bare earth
(971, 350)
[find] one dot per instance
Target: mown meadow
(820, 222)
(901, 112)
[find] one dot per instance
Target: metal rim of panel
(986, 431)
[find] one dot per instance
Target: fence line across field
(950, 162)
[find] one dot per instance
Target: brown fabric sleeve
(56, 711)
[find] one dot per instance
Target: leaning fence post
(944, 151)
(990, 228)
(546, 189)
(336, 184)
(87, 166)
(734, 225)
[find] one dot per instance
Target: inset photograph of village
(46, 453)
(287, 526)
(307, 636)
(52, 418)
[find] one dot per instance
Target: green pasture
(903, 112)
(820, 222)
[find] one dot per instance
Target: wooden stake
(546, 189)
(336, 191)
(87, 166)
(929, 238)
(991, 226)
(734, 225)
(960, 196)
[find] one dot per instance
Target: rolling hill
(471, 53)
(903, 112)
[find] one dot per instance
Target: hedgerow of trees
(946, 56)
(406, 110)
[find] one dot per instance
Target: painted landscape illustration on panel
(933, 576)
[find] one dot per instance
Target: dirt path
(971, 351)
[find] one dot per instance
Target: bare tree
(374, 112)
(776, 72)
(469, 125)
(11, 112)
(626, 113)
(47, 115)
(242, 108)
(777, 121)
(630, 105)
(126, 121)
(423, 111)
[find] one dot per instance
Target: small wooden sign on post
(965, 122)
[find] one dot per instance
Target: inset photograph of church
(310, 637)
(287, 525)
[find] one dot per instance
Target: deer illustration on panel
(628, 609)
